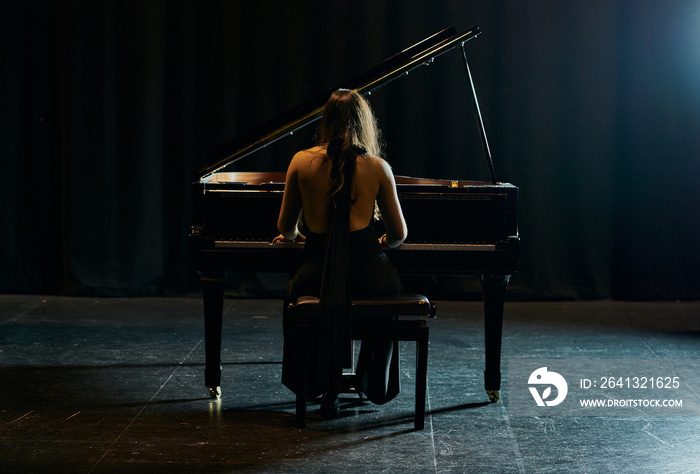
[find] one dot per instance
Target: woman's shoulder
(311, 152)
(379, 165)
(305, 157)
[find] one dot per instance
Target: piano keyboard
(250, 244)
(232, 244)
(449, 247)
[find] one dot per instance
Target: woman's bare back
(308, 181)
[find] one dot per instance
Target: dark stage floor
(116, 385)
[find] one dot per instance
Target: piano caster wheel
(214, 392)
(494, 395)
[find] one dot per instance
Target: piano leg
(213, 295)
(494, 290)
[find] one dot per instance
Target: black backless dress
(337, 266)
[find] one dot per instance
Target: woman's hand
(386, 243)
(280, 238)
(382, 241)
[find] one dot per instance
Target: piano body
(235, 216)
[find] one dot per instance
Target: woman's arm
(389, 206)
(290, 212)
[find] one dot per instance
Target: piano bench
(401, 317)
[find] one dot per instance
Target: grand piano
(235, 214)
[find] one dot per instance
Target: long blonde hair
(348, 115)
(348, 129)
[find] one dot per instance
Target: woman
(345, 172)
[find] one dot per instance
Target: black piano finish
(455, 227)
(468, 229)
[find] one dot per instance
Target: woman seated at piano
(347, 158)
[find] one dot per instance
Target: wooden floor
(116, 385)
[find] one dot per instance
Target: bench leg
(421, 378)
(301, 390)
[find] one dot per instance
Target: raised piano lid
(245, 177)
(278, 177)
(450, 183)
(420, 54)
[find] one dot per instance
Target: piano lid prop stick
(479, 120)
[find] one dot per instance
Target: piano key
(451, 247)
(448, 247)
(248, 244)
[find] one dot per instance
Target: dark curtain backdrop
(592, 109)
